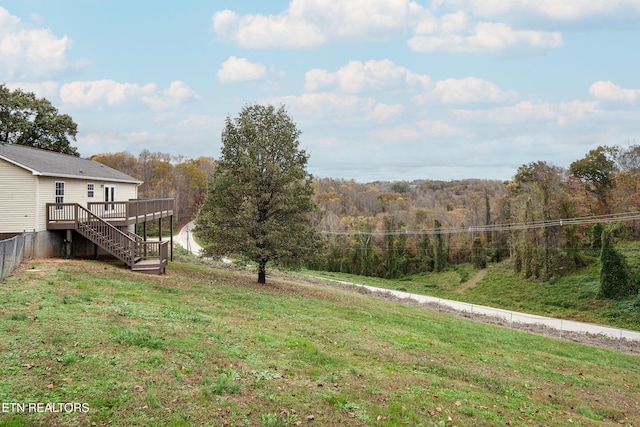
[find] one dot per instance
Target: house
(78, 207)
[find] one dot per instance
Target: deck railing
(96, 229)
(150, 249)
(126, 246)
(133, 211)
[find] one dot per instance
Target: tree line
(166, 176)
(355, 217)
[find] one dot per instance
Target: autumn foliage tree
(261, 194)
(596, 170)
(164, 175)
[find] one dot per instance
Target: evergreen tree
(260, 194)
(425, 253)
(478, 258)
(596, 235)
(614, 274)
(440, 260)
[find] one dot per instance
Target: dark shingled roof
(50, 163)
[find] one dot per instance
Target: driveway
(185, 239)
(509, 317)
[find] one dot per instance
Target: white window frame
(59, 193)
(91, 190)
(109, 197)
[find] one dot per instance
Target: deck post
(144, 237)
(171, 234)
(67, 244)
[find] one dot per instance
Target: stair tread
(126, 250)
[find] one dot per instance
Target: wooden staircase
(143, 256)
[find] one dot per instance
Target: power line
(628, 216)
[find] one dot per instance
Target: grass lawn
(573, 297)
(200, 346)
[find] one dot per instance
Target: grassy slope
(572, 297)
(201, 346)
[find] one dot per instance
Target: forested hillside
(164, 175)
(476, 221)
(392, 229)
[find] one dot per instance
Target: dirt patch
(473, 281)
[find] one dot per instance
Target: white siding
(75, 191)
(124, 191)
(24, 196)
(17, 199)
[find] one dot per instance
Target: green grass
(572, 297)
(201, 346)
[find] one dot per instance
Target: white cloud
(487, 37)
(29, 53)
(449, 23)
(467, 91)
(481, 26)
(423, 129)
(240, 70)
(611, 92)
(384, 112)
(396, 134)
(198, 121)
(564, 10)
(357, 77)
(98, 91)
(463, 27)
(327, 104)
(314, 108)
(259, 31)
(313, 22)
(527, 112)
(176, 94)
(436, 128)
(48, 89)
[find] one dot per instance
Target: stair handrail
(111, 235)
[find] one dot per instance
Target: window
(90, 190)
(109, 196)
(59, 193)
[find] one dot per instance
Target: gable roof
(52, 164)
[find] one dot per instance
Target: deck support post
(144, 237)
(67, 244)
(171, 234)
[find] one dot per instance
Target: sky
(382, 90)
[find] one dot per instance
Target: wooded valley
(392, 229)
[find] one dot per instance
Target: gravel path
(587, 333)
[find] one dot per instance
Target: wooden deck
(99, 223)
(62, 216)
